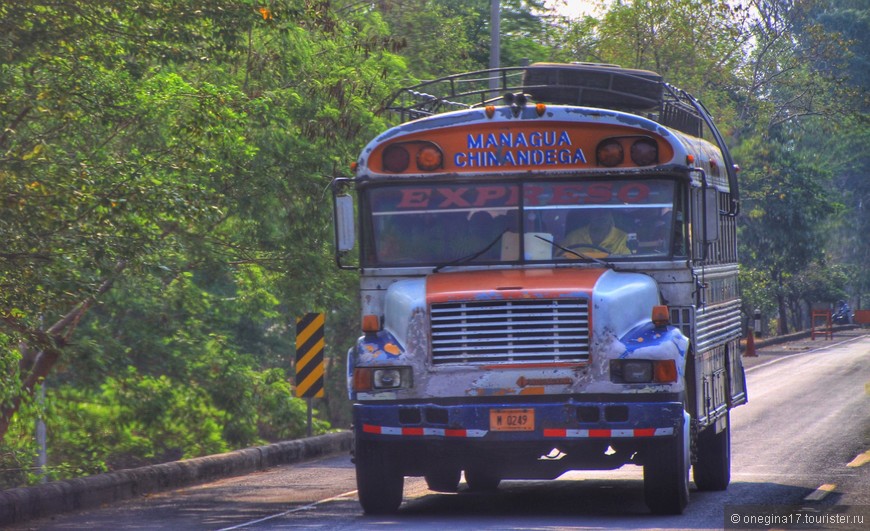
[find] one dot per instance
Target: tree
(169, 144)
(106, 157)
(695, 44)
(443, 37)
(818, 283)
(843, 141)
(785, 207)
(797, 100)
(795, 70)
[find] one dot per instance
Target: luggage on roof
(593, 85)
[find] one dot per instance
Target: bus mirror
(344, 223)
(711, 214)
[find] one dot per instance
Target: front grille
(510, 331)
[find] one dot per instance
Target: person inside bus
(404, 239)
(593, 234)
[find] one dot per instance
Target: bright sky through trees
(572, 8)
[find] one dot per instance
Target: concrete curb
(21, 504)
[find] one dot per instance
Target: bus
(548, 282)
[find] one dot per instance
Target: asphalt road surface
(802, 443)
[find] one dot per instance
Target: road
(802, 441)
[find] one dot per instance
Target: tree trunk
(781, 305)
(48, 346)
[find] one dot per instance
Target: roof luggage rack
(582, 84)
(455, 92)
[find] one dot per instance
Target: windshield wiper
(576, 253)
(470, 257)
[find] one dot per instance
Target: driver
(598, 238)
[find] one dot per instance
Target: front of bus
(508, 307)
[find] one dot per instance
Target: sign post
(309, 358)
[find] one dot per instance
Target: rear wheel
(379, 479)
(666, 474)
(712, 469)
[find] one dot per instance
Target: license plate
(512, 419)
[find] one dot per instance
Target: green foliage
(18, 451)
(785, 204)
(657, 35)
(819, 283)
(850, 20)
(131, 420)
(280, 415)
(10, 382)
(443, 37)
(761, 294)
(135, 419)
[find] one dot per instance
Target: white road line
(787, 356)
(291, 511)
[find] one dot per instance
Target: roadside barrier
(25, 503)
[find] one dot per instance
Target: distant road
(802, 440)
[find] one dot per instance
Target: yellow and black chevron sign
(309, 356)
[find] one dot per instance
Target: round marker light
(645, 152)
(396, 159)
(430, 158)
(609, 153)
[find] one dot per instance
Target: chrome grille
(510, 331)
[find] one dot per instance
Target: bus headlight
(386, 379)
(643, 371)
(631, 371)
(380, 378)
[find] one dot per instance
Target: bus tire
(712, 468)
(379, 479)
(666, 473)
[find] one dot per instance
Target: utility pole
(495, 45)
(42, 456)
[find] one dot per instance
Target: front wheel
(379, 479)
(712, 469)
(666, 473)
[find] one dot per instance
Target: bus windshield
(509, 222)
